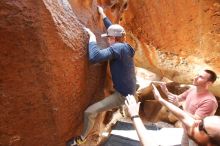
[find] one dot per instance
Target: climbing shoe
(75, 141)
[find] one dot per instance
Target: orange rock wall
(46, 81)
(175, 38)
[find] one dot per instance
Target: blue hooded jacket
(121, 60)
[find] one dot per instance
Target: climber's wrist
(103, 15)
(134, 117)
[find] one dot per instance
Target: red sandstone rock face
(46, 81)
(175, 38)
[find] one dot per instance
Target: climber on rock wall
(121, 59)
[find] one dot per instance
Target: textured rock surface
(46, 81)
(175, 38)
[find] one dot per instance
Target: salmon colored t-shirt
(202, 104)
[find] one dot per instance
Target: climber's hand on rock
(88, 31)
(92, 37)
(101, 11)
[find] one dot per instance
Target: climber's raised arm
(106, 21)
